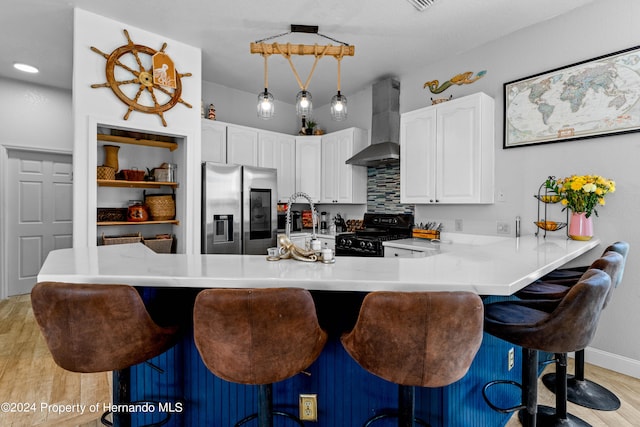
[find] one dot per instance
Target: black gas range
(377, 228)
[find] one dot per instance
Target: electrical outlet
(511, 360)
(458, 225)
(500, 195)
(308, 407)
(503, 228)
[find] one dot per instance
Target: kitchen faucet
(314, 220)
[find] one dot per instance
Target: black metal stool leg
(406, 410)
(265, 409)
(558, 416)
(584, 392)
(528, 415)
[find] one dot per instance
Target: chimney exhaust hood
(385, 126)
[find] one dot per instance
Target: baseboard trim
(614, 362)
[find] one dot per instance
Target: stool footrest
(392, 415)
(280, 413)
(495, 407)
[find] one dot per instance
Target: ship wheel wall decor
(130, 75)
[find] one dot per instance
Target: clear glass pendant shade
(304, 107)
(339, 107)
(266, 107)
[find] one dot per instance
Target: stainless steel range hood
(385, 126)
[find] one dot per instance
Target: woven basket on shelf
(119, 240)
(159, 245)
(162, 207)
(106, 172)
(133, 175)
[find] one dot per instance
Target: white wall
(597, 29)
(100, 106)
(37, 117)
(239, 107)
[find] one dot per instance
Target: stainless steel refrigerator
(238, 209)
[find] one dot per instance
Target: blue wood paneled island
(347, 395)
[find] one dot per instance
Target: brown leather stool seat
(580, 390)
(424, 339)
(555, 327)
(257, 336)
(98, 328)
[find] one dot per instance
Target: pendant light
(304, 106)
(339, 101)
(266, 106)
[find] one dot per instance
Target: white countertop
(499, 266)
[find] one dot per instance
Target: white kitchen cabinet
(214, 141)
(242, 145)
(308, 166)
(447, 152)
(277, 150)
(342, 183)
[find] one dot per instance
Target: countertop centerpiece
(582, 194)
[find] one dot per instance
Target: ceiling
(390, 37)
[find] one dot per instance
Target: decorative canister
(111, 156)
(137, 212)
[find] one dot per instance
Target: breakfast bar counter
(486, 265)
(494, 267)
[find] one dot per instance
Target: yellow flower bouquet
(582, 193)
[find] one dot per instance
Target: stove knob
(369, 245)
(362, 244)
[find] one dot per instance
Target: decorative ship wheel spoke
(126, 69)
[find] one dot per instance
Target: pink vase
(580, 227)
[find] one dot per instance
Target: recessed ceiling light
(25, 67)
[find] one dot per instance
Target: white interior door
(40, 209)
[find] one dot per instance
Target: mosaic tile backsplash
(383, 190)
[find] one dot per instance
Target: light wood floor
(29, 376)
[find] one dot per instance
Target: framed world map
(593, 98)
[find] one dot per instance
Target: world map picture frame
(593, 98)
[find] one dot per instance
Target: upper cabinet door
(278, 151)
(418, 156)
(342, 183)
(447, 152)
(214, 141)
(308, 164)
(242, 146)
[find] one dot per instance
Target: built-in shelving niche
(144, 151)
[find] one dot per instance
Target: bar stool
(557, 283)
(424, 339)
(99, 328)
(553, 327)
(258, 337)
(581, 391)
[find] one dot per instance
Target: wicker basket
(133, 175)
(162, 207)
(161, 246)
(120, 240)
(106, 172)
(112, 214)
